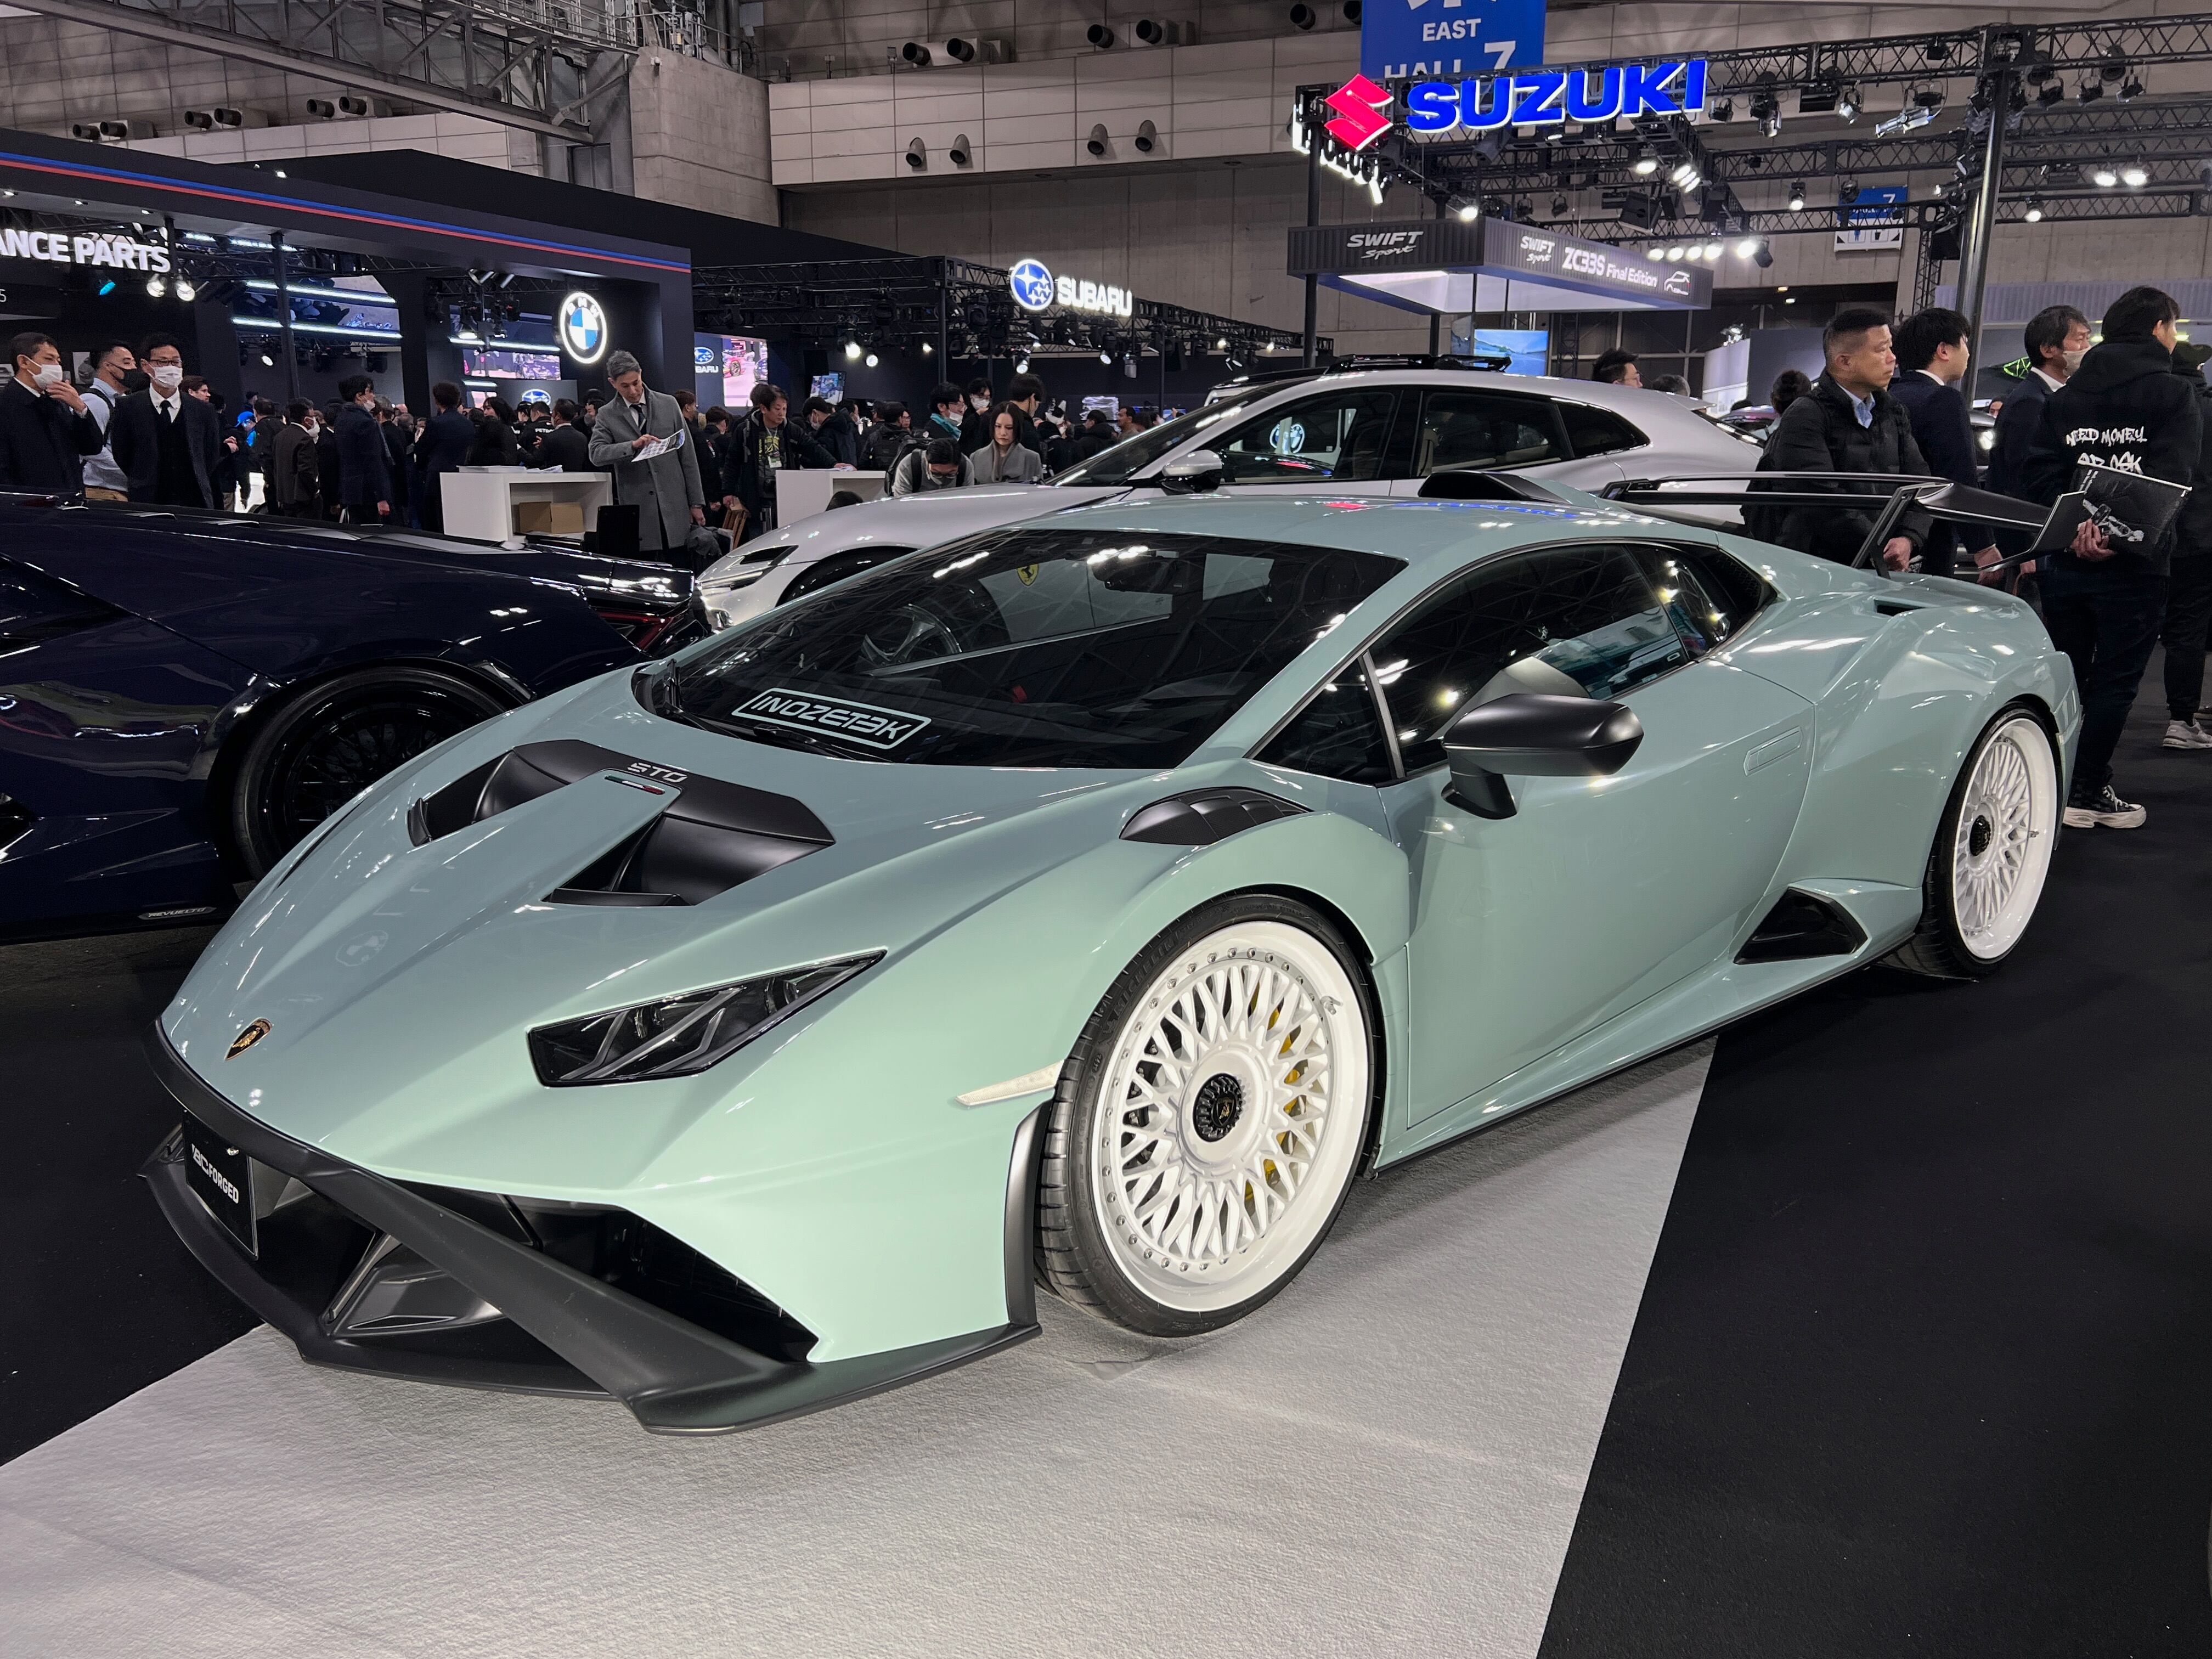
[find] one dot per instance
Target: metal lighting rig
(2022, 124)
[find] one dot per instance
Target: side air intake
(1205, 815)
(1802, 925)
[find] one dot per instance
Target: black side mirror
(1534, 735)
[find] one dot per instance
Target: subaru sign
(1401, 38)
(1031, 283)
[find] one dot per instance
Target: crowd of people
(142, 430)
(2130, 399)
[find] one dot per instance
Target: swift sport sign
(1534, 98)
(1402, 38)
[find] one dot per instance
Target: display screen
(480, 363)
(1531, 348)
(727, 367)
(831, 387)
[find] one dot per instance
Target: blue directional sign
(1398, 38)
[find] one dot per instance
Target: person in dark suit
(46, 430)
(2057, 339)
(446, 438)
(169, 443)
(1931, 366)
(294, 485)
(364, 469)
(495, 444)
(566, 446)
(326, 459)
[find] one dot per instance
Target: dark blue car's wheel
(320, 749)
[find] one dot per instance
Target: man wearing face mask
(169, 446)
(45, 431)
(114, 364)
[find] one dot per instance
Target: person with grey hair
(666, 489)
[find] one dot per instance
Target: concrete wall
(699, 138)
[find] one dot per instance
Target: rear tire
(325, 745)
(1208, 1125)
(1992, 853)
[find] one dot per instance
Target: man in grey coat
(666, 489)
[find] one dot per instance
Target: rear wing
(1891, 495)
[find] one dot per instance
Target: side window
(1337, 735)
(1573, 621)
(1466, 430)
(1593, 431)
(836, 568)
(1708, 594)
(1344, 438)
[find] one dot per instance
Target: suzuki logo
(1359, 122)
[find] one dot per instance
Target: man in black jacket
(1850, 424)
(1931, 358)
(2125, 408)
(2189, 590)
(771, 443)
(46, 430)
(442, 446)
(2057, 339)
(364, 467)
(565, 447)
(168, 442)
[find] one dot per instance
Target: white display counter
(479, 502)
(801, 493)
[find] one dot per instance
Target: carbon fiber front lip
(675, 1378)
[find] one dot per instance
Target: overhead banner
(1447, 266)
(1401, 38)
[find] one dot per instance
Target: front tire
(1208, 1125)
(1992, 853)
(324, 746)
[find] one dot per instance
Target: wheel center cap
(1978, 837)
(1220, 1102)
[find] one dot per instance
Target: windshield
(1132, 455)
(1024, 646)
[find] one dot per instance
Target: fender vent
(1205, 815)
(1802, 925)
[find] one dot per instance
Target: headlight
(682, 1035)
(746, 566)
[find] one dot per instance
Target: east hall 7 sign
(1401, 38)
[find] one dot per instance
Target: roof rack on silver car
(1482, 362)
(1937, 497)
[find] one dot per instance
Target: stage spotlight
(1797, 198)
(185, 291)
(1848, 103)
(2051, 92)
(2135, 176)
(2034, 214)
(851, 351)
(1655, 252)
(1647, 162)
(157, 286)
(1746, 246)
(2104, 176)
(871, 360)
(1105, 356)
(1466, 212)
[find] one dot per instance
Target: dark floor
(100, 1298)
(1924, 1363)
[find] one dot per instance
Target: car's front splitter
(551, 1328)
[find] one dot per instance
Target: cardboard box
(549, 518)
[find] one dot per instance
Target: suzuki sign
(1536, 98)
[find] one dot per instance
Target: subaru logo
(1032, 284)
(583, 328)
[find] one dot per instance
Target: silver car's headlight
(679, 1036)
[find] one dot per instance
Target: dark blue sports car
(183, 695)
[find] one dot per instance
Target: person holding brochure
(629, 440)
(2124, 410)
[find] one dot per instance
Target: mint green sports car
(1084, 904)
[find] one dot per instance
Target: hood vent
(711, 837)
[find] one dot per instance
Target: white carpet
(1389, 1458)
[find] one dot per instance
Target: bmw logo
(1031, 283)
(583, 328)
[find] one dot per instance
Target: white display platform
(801, 494)
(479, 501)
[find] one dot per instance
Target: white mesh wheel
(1217, 1125)
(1991, 853)
(2000, 845)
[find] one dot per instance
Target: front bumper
(505, 1313)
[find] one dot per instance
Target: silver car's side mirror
(1188, 474)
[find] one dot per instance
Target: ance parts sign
(62, 248)
(1401, 38)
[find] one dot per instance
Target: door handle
(1774, 749)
